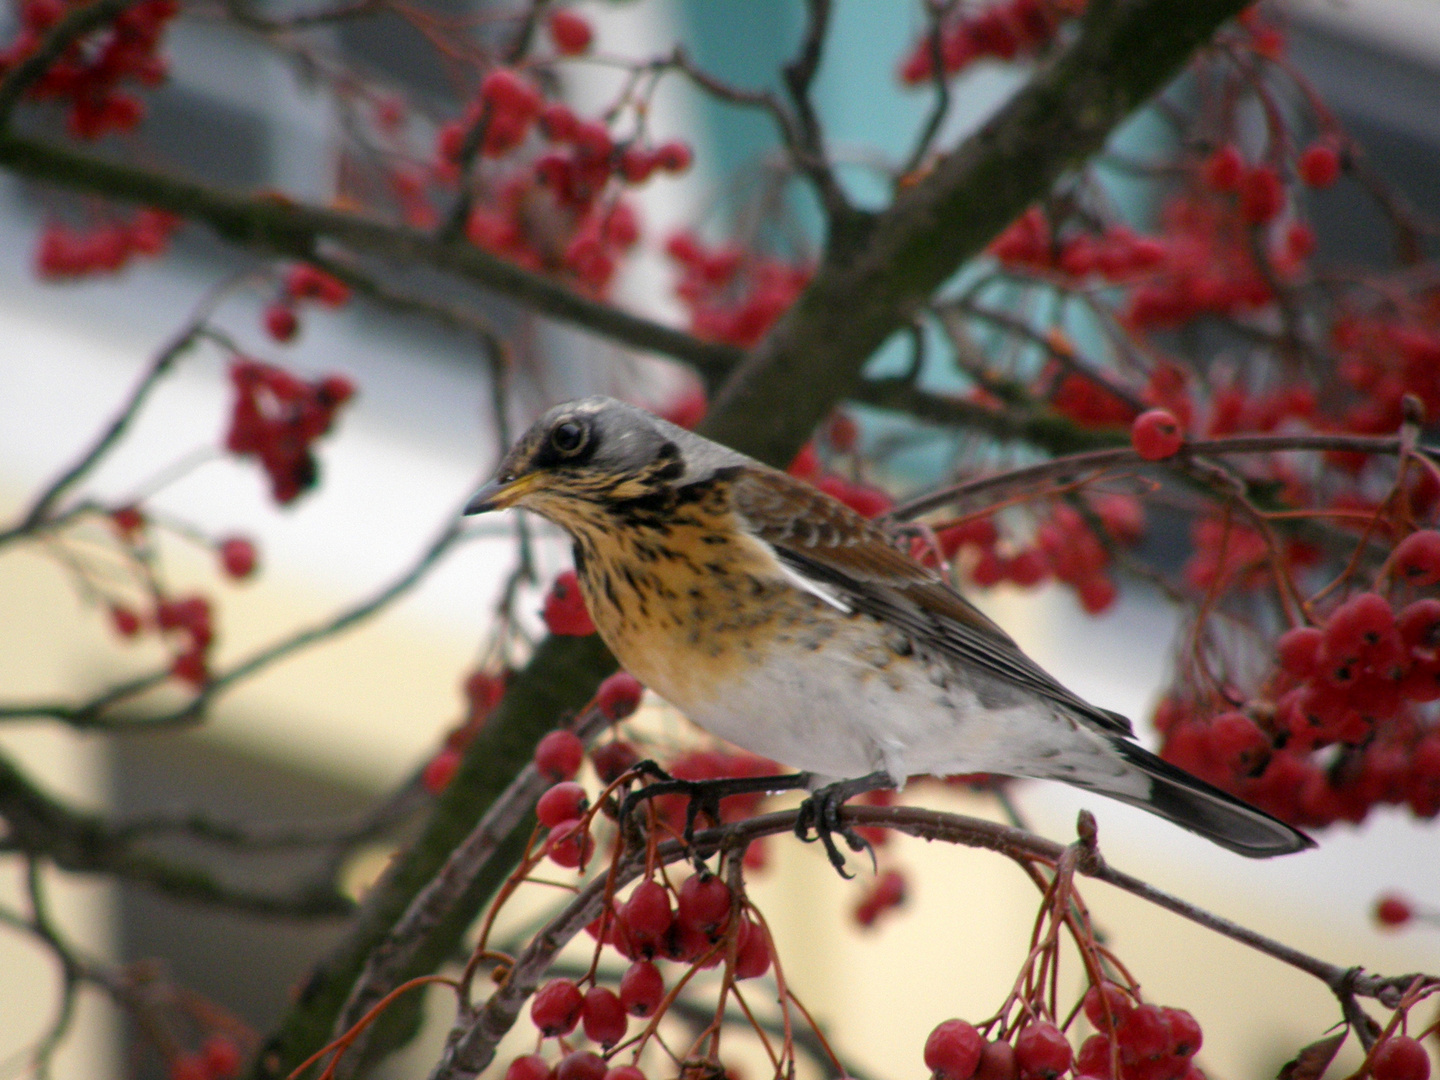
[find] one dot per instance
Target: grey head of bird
(584, 460)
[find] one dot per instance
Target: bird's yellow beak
(500, 493)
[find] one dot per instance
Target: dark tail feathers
(1203, 808)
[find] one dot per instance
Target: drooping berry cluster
(1008, 30)
(277, 417)
(90, 72)
(733, 295)
(303, 283)
(483, 691)
(65, 252)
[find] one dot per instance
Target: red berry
(642, 988)
(1224, 169)
(563, 802)
(625, 1072)
(125, 621)
(1393, 910)
(190, 667)
(619, 696)
(1185, 1034)
(752, 952)
(572, 34)
(952, 1052)
(1156, 435)
(1107, 1006)
(673, 156)
(647, 913)
(1041, 1051)
(1262, 195)
(440, 770)
(612, 759)
(565, 612)
(570, 845)
(237, 556)
(842, 432)
(555, 1009)
(1298, 650)
(704, 902)
(1320, 164)
(128, 521)
(1096, 592)
(1094, 1057)
(281, 322)
(603, 1017)
(1417, 559)
(998, 1062)
(1144, 1034)
(581, 1065)
(221, 1056)
(558, 755)
(529, 1067)
(1400, 1058)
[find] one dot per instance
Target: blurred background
(321, 734)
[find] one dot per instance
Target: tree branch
(274, 225)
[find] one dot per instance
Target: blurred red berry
(221, 1056)
(565, 612)
(125, 621)
(281, 322)
(440, 770)
(558, 755)
(1224, 169)
(1417, 560)
(1156, 435)
(612, 759)
(673, 157)
(1262, 195)
(1320, 164)
(128, 521)
(997, 1062)
(1393, 910)
(237, 556)
(571, 33)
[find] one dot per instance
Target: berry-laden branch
(479, 1029)
(76, 24)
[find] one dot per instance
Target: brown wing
(829, 544)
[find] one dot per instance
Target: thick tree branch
(274, 225)
(869, 287)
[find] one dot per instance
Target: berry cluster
(546, 206)
(483, 691)
(276, 418)
(217, 1059)
(302, 283)
(1147, 1042)
(89, 73)
(64, 252)
(1008, 30)
(1066, 546)
(1358, 683)
(733, 296)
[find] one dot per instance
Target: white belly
(835, 714)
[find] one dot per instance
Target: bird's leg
(821, 811)
(704, 795)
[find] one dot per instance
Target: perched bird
(776, 617)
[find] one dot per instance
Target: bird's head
(584, 458)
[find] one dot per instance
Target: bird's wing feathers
(848, 558)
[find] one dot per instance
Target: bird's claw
(704, 796)
(821, 812)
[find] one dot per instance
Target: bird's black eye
(569, 437)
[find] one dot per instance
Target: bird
(781, 620)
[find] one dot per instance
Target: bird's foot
(821, 812)
(704, 795)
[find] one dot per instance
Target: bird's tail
(1203, 808)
